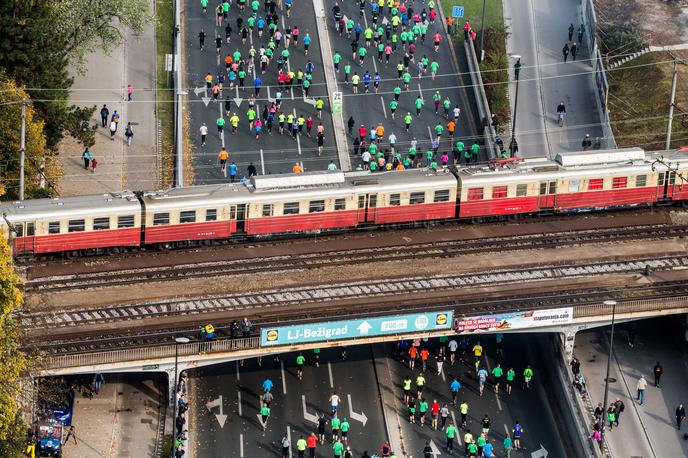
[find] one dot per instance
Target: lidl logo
(273, 334)
(441, 319)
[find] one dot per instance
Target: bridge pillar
(568, 340)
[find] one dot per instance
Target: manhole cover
(147, 421)
(611, 379)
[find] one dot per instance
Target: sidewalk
(538, 30)
(105, 82)
(121, 421)
(648, 430)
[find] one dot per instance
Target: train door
(665, 185)
(371, 208)
(24, 236)
(239, 212)
(548, 191)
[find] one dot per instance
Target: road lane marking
(420, 92)
(458, 436)
(222, 115)
(298, 139)
(239, 396)
(237, 371)
(365, 21)
(489, 370)
(289, 437)
(444, 379)
(329, 370)
(384, 110)
(262, 162)
(241, 445)
(284, 380)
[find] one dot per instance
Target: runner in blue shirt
(454, 386)
(366, 81)
(482, 376)
(267, 385)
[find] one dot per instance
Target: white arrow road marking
(206, 100)
(270, 99)
(540, 453)
(355, 415)
(364, 327)
(434, 451)
(309, 101)
(241, 445)
(237, 99)
(203, 89)
(221, 417)
(308, 416)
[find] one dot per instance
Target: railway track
(96, 341)
(293, 262)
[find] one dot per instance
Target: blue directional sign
(351, 329)
(457, 11)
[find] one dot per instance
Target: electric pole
(22, 147)
(671, 104)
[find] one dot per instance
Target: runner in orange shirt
(413, 354)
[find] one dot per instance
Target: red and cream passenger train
(273, 205)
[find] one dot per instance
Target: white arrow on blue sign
(457, 11)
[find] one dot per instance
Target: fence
(590, 21)
(483, 106)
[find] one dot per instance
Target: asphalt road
(270, 153)
(242, 436)
(373, 108)
(362, 378)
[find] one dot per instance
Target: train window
(660, 178)
(316, 206)
(19, 230)
(161, 219)
(188, 216)
(640, 181)
(672, 177)
(339, 204)
(125, 221)
(499, 192)
(521, 190)
(267, 209)
(619, 182)
(101, 224)
(552, 187)
(232, 212)
(372, 200)
(30, 229)
(211, 214)
(595, 183)
(361, 201)
(417, 198)
(475, 193)
(543, 188)
(394, 200)
(76, 225)
(574, 185)
(291, 208)
(442, 196)
(54, 227)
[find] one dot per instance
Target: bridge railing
(631, 306)
(149, 353)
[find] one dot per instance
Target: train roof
(70, 207)
(577, 164)
(293, 187)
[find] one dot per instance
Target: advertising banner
(514, 320)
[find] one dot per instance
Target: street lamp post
(609, 361)
(513, 145)
(482, 35)
(177, 341)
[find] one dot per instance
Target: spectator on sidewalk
(575, 366)
(130, 92)
(657, 371)
(113, 129)
(71, 433)
(98, 381)
(619, 408)
(86, 156)
(129, 133)
(680, 415)
(641, 386)
(94, 164)
(104, 113)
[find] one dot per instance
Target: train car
(96, 223)
(183, 216)
(577, 181)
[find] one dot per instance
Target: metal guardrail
(630, 306)
(483, 106)
(249, 343)
(150, 353)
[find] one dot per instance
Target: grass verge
(165, 93)
(639, 102)
(473, 11)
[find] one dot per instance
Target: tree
(88, 25)
(13, 362)
(38, 159)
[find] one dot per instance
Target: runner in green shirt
(316, 357)
(393, 107)
(472, 449)
(497, 372)
(347, 71)
(438, 130)
(338, 448)
(362, 52)
(451, 434)
(406, 78)
(510, 374)
(419, 105)
(422, 409)
(527, 377)
(337, 58)
(335, 424)
(300, 360)
(407, 120)
(301, 446)
(344, 428)
(475, 149)
(264, 415)
(397, 92)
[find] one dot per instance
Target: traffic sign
(457, 11)
(337, 102)
(351, 329)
